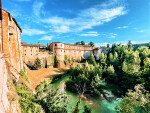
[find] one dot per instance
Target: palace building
(70, 50)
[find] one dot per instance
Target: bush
(22, 73)
(37, 64)
(56, 62)
(66, 60)
(43, 85)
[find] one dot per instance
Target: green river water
(97, 106)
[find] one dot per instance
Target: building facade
(10, 40)
(70, 50)
(31, 52)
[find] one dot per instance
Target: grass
(43, 85)
(22, 73)
(27, 101)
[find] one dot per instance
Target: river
(97, 106)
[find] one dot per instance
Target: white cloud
(101, 44)
(62, 29)
(115, 34)
(123, 27)
(112, 37)
(37, 6)
(46, 38)
(141, 31)
(31, 32)
(85, 19)
(90, 33)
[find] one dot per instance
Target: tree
(103, 59)
(91, 44)
(78, 43)
(107, 45)
(53, 101)
(66, 60)
(132, 60)
(149, 45)
(92, 60)
(111, 58)
(77, 109)
(56, 62)
(137, 101)
(129, 43)
(87, 109)
(37, 64)
(82, 43)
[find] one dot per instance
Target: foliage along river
(97, 106)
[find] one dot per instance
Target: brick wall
(11, 39)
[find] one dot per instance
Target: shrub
(37, 64)
(66, 60)
(22, 73)
(56, 62)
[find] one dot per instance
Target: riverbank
(36, 77)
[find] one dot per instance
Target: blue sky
(69, 21)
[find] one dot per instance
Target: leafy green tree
(129, 43)
(91, 44)
(56, 62)
(132, 60)
(103, 59)
(143, 53)
(77, 107)
(78, 43)
(37, 64)
(107, 45)
(66, 60)
(111, 58)
(84, 79)
(92, 60)
(146, 73)
(82, 43)
(87, 109)
(149, 45)
(137, 101)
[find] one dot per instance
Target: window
(61, 45)
(55, 45)
(25, 50)
(25, 54)
(31, 50)
(61, 50)
(9, 38)
(31, 54)
(64, 51)
(31, 47)
(69, 46)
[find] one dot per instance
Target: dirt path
(43, 74)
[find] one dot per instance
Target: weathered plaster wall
(4, 103)
(11, 39)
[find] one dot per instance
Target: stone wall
(11, 40)
(4, 103)
(10, 61)
(70, 50)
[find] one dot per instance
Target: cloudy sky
(69, 21)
